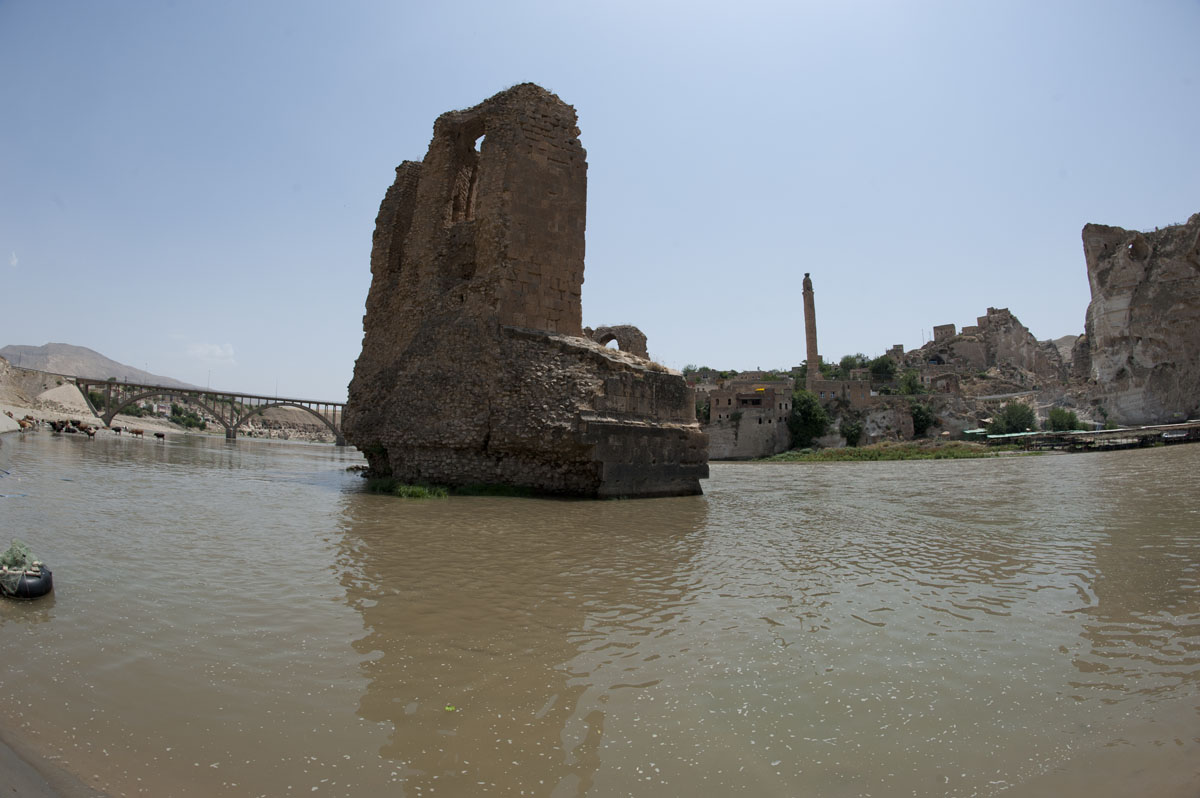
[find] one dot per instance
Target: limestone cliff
(1143, 323)
(474, 367)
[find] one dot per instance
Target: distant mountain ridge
(79, 361)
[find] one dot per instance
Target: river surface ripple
(239, 619)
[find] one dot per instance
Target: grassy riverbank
(889, 450)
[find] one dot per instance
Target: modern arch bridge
(230, 408)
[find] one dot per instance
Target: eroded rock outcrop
(1143, 323)
(1010, 342)
(998, 339)
(474, 367)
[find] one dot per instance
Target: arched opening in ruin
(624, 337)
(937, 360)
(467, 142)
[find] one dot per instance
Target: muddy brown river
(239, 619)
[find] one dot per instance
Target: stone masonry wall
(943, 331)
(755, 433)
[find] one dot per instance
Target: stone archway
(629, 338)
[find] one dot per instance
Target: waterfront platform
(1103, 439)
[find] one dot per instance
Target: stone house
(855, 392)
(748, 418)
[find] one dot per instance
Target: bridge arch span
(258, 410)
(132, 400)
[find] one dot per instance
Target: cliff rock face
(1143, 323)
(474, 367)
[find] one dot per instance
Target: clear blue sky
(191, 187)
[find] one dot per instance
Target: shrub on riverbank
(1061, 419)
(1013, 417)
(950, 450)
(808, 420)
(186, 417)
(393, 487)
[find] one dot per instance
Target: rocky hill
(79, 361)
(1065, 346)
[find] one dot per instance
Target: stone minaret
(810, 331)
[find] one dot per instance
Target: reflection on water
(489, 619)
(238, 619)
(1143, 623)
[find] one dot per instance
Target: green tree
(1061, 420)
(883, 369)
(703, 410)
(910, 383)
(851, 429)
(850, 362)
(1013, 417)
(922, 417)
(808, 420)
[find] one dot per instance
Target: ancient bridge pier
(476, 368)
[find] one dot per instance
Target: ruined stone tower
(810, 332)
(474, 368)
